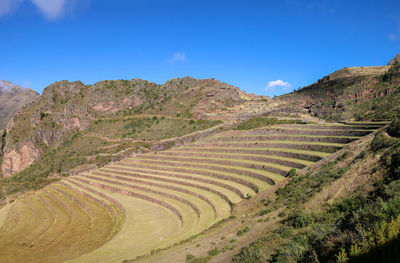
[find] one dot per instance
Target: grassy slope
(362, 97)
(334, 210)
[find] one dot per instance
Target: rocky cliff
(12, 99)
(66, 108)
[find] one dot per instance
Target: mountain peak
(397, 57)
(8, 86)
(12, 99)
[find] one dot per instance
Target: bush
(395, 165)
(394, 128)
(213, 252)
(299, 219)
(251, 254)
(292, 173)
(243, 231)
(362, 155)
(380, 141)
(394, 71)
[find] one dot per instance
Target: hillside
(199, 171)
(74, 127)
(367, 93)
(190, 188)
(12, 99)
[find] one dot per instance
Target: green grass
(313, 153)
(282, 142)
(146, 128)
(238, 161)
(147, 171)
(145, 224)
(260, 184)
(294, 160)
(284, 135)
(140, 217)
(233, 197)
(206, 212)
(223, 208)
(275, 177)
(52, 227)
(263, 122)
(307, 129)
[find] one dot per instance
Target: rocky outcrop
(393, 60)
(18, 159)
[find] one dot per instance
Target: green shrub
(394, 71)
(362, 155)
(242, 231)
(294, 250)
(292, 173)
(213, 252)
(253, 253)
(299, 219)
(395, 165)
(394, 128)
(190, 257)
(380, 141)
(342, 256)
(264, 212)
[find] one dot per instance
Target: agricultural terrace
(152, 201)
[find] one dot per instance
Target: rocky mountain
(393, 60)
(12, 99)
(66, 109)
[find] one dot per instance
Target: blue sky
(265, 47)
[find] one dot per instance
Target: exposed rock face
(68, 107)
(18, 159)
(12, 99)
(396, 58)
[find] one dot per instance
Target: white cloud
(178, 57)
(7, 6)
(277, 83)
(52, 9)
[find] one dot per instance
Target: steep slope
(12, 99)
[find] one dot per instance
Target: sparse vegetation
(263, 122)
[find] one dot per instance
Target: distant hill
(397, 57)
(12, 99)
(357, 71)
(360, 93)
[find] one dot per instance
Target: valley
(199, 171)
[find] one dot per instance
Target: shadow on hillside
(388, 253)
